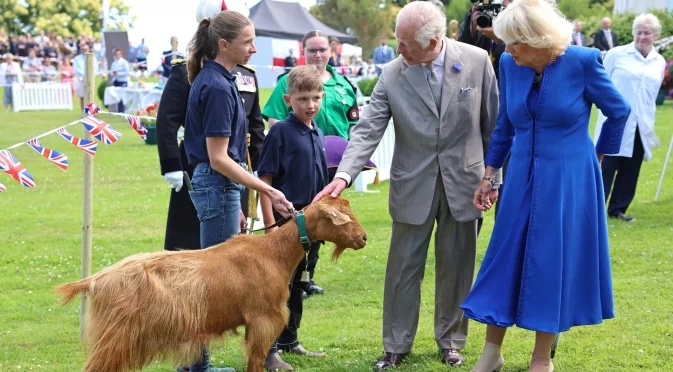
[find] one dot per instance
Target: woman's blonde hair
(538, 23)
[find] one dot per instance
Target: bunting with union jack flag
(15, 169)
(91, 109)
(137, 126)
(101, 130)
(59, 159)
(85, 145)
(2, 187)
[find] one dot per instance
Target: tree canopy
(63, 17)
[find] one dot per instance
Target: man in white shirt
(119, 73)
(605, 39)
(578, 37)
(79, 65)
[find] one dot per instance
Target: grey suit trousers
(455, 250)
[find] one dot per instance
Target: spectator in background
(383, 54)
(10, 72)
(169, 56)
(290, 61)
(33, 67)
(67, 72)
(335, 56)
(605, 39)
(578, 37)
(637, 71)
(119, 74)
(79, 65)
(141, 56)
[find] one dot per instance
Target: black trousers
(623, 185)
(289, 338)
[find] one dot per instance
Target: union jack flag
(85, 145)
(135, 123)
(91, 109)
(101, 130)
(59, 159)
(15, 169)
(2, 187)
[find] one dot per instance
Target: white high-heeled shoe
(495, 367)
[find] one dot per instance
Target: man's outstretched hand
(333, 189)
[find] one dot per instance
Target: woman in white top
(10, 72)
(637, 71)
(119, 74)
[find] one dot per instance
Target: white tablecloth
(134, 98)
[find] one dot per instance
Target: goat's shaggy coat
(167, 305)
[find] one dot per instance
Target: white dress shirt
(608, 37)
(438, 66)
(638, 79)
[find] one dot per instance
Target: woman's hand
(484, 197)
(280, 204)
(243, 222)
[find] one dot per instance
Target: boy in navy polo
(293, 161)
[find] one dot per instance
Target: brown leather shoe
(389, 360)
(452, 357)
(299, 350)
(275, 363)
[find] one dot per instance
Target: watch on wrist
(494, 184)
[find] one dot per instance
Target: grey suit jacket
(452, 141)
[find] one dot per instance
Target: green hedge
(367, 86)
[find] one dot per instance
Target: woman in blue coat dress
(547, 267)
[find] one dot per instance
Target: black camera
(488, 10)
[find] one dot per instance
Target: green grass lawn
(41, 242)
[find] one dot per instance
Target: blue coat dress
(547, 267)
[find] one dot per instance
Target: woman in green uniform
(339, 110)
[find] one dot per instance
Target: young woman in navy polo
(215, 132)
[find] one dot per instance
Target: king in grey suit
(437, 163)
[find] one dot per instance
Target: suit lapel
(451, 77)
(414, 74)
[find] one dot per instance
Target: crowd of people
(48, 57)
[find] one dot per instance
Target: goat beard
(338, 250)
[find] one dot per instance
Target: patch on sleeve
(354, 113)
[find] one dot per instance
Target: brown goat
(166, 305)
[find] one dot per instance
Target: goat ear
(337, 217)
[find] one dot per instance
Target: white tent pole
(663, 171)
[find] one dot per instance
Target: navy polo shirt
(214, 109)
(294, 155)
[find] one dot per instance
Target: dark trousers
(120, 104)
(623, 185)
(289, 338)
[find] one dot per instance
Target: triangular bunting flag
(135, 123)
(59, 159)
(101, 130)
(85, 145)
(91, 109)
(2, 187)
(15, 169)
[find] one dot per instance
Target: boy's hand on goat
(334, 189)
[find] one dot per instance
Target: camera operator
(483, 37)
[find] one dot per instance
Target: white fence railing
(41, 96)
